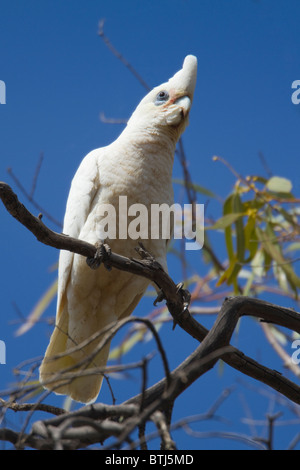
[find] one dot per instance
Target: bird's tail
(73, 370)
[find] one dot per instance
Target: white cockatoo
(137, 165)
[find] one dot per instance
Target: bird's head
(168, 105)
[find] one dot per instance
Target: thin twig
(119, 56)
(36, 174)
(176, 302)
(106, 120)
(12, 405)
(30, 198)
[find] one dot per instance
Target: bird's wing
(84, 188)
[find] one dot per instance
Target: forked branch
(215, 343)
(219, 336)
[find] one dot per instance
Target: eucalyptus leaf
(225, 221)
(195, 187)
(277, 184)
(39, 309)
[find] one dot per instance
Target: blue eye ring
(161, 97)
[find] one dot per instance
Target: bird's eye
(161, 97)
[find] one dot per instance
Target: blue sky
(60, 76)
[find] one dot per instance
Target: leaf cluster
(260, 222)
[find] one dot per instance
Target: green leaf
(225, 221)
(237, 207)
(127, 345)
(281, 277)
(277, 184)
(279, 335)
(232, 214)
(247, 288)
(227, 210)
(272, 248)
(195, 187)
(228, 273)
(251, 241)
(38, 309)
(292, 247)
(258, 179)
(287, 216)
(137, 336)
(239, 228)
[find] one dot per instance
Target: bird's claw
(160, 297)
(102, 254)
(186, 296)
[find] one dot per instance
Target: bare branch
(35, 176)
(107, 120)
(119, 56)
(12, 405)
(215, 344)
(29, 196)
(219, 335)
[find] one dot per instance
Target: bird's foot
(144, 254)
(186, 296)
(102, 254)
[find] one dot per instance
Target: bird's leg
(101, 256)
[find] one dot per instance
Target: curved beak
(185, 103)
(184, 81)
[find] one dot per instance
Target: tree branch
(215, 344)
(149, 268)
(12, 405)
